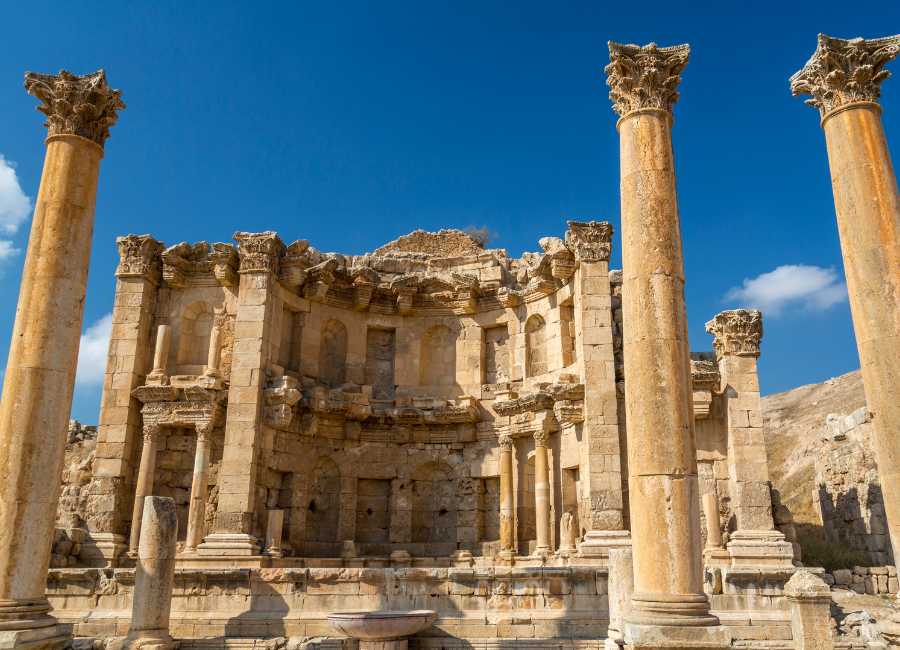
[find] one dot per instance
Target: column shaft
(144, 484)
(507, 512)
(868, 216)
(40, 373)
(541, 493)
(199, 485)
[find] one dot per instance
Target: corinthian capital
(139, 256)
(591, 241)
(84, 106)
(736, 332)
(644, 76)
(259, 252)
(843, 71)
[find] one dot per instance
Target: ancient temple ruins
(526, 447)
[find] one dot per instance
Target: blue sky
(351, 123)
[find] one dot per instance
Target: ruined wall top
(444, 243)
(85, 106)
(644, 77)
(843, 71)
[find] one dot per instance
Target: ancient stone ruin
(526, 447)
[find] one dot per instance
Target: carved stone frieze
(84, 106)
(644, 77)
(259, 252)
(736, 332)
(843, 71)
(294, 264)
(281, 395)
(191, 406)
(590, 241)
(138, 257)
(225, 262)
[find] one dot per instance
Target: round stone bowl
(382, 625)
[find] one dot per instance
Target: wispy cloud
(791, 285)
(15, 206)
(93, 352)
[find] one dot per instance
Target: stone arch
(437, 361)
(535, 346)
(333, 354)
(434, 504)
(193, 334)
(323, 503)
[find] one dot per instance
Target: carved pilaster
(736, 332)
(843, 71)
(590, 241)
(139, 257)
(644, 77)
(259, 252)
(84, 106)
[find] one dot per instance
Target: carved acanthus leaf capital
(736, 332)
(259, 252)
(139, 256)
(645, 76)
(843, 71)
(590, 241)
(505, 441)
(84, 106)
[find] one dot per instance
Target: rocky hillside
(795, 423)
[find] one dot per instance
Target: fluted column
(507, 506)
(844, 77)
(662, 463)
(144, 484)
(40, 371)
(199, 485)
(541, 493)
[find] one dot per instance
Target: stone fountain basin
(382, 625)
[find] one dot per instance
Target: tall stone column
(199, 486)
(662, 462)
(237, 529)
(755, 541)
(507, 505)
(119, 427)
(541, 493)
(40, 371)
(144, 483)
(844, 79)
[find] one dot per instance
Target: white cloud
(791, 285)
(15, 206)
(93, 351)
(7, 250)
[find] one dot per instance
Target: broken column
(144, 483)
(844, 78)
(507, 505)
(809, 599)
(541, 493)
(620, 588)
(40, 371)
(755, 541)
(668, 600)
(199, 486)
(154, 576)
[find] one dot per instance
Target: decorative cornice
(259, 252)
(842, 71)
(84, 106)
(590, 241)
(736, 332)
(644, 77)
(139, 256)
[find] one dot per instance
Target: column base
(760, 548)
(666, 610)
(226, 544)
(102, 550)
(598, 542)
(677, 637)
(53, 637)
(149, 640)
(393, 644)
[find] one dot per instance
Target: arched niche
(434, 504)
(437, 360)
(333, 354)
(194, 331)
(535, 346)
